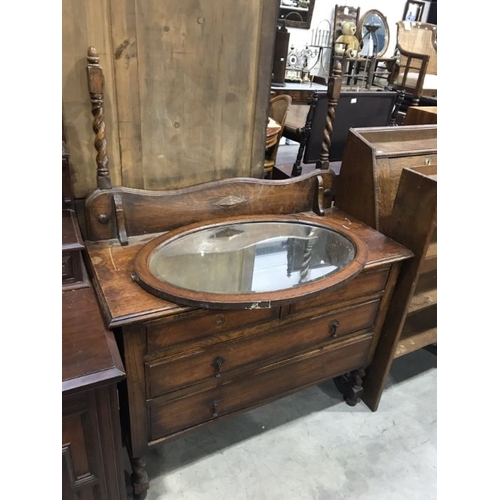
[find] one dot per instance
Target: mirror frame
(362, 20)
(256, 300)
(293, 23)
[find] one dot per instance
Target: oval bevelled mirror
(374, 31)
(252, 262)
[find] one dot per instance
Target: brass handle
(217, 363)
(333, 328)
(215, 403)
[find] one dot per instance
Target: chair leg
(297, 166)
(397, 106)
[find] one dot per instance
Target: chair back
(416, 70)
(420, 38)
(278, 110)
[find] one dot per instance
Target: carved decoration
(334, 86)
(229, 202)
(95, 79)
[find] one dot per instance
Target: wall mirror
(296, 13)
(373, 31)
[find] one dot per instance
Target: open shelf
(419, 330)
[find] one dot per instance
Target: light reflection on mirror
(375, 33)
(251, 257)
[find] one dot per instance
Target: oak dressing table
(189, 365)
(201, 342)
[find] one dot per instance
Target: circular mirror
(249, 262)
(374, 30)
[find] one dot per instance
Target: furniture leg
(397, 106)
(139, 478)
(350, 386)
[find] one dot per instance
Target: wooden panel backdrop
(187, 89)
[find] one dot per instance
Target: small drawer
(409, 161)
(196, 325)
(366, 283)
(72, 267)
(220, 362)
(167, 418)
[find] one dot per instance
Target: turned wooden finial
(334, 86)
(95, 79)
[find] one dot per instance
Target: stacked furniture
(92, 452)
(389, 181)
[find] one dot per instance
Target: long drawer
(220, 361)
(199, 324)
(265, 384)
(366, 283)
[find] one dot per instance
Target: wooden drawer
(199, 324)
(72, 267)
(263, 385)
(220, 361)
(409, 161)
(365, 284)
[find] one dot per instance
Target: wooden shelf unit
(396, 176)
(412, 316)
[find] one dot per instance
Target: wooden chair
(415, 70)
(331, 115)
(278, 110)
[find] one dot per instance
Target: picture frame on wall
(413, 11)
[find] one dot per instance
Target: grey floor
(313, 446)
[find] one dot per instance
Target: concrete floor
(313, 446)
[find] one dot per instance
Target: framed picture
(413, 11)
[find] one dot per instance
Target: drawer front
(219, 362)
(262, 386)
(199, 324)
(71, 267)
(410, 161)
(366, 283)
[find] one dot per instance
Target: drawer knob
(217, 363)
(215, 404)
(333, 328)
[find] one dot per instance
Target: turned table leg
(350, 385)
(140, 479)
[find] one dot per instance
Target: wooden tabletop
(298, 86)
(90, 355)
(126, 302)
(420, 115)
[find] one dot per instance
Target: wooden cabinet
(374, 158)
(420, 115)
(391, 179)
(92, 453)
(187, 366)
(412, 317)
